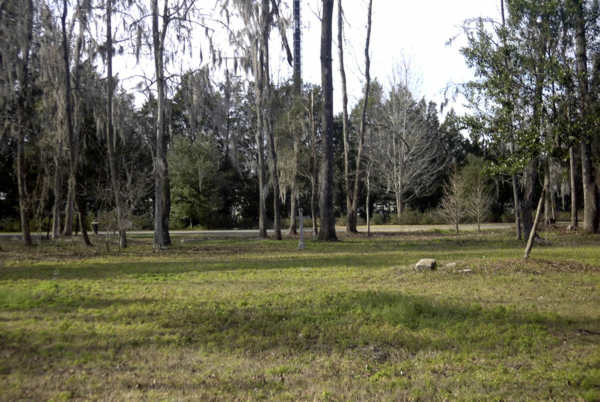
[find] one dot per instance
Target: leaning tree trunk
(162, 205)
(590, 196)
(531, 236)
(327, 232)
(350, 212)
(82, 208)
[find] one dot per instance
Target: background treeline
(222, 146)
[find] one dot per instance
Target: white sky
(414, 30)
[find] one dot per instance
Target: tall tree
(71, 94)
(410, 155)
(296, 134)
(110, 132)
(68, 103)
(174, 16)
(327, 232)
(352, 178)
(590, 191)
(258, 18)
(363, 122)
(16, 82)
(350, 213)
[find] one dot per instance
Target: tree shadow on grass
(354, 257)
(158, 271)
(323, 323)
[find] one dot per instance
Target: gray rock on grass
(426, 264)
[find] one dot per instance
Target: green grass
(243, 319)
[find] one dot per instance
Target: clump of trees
(535, 100)
(224, 146)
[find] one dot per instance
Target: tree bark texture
(517, 204)
(23, 102)
(72, 181)
(294, 188)
(260, 167)
(573, 187)
(547, 191)
(363, 118)
(110, 134)
(350, 212)
(529, 197)
(314, 161)
(267, 115)
(298, 92)
(162, 196)
(327, 232)
(58, 197)
(24, 210)
(590, 193)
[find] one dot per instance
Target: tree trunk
(56, 216)
(573, 185)
(24, 211)
(298, 92)
(350, 211)
(23, 122)
(294, 190)
(69, 206)
(110, 135)
(528, 202)
(363, 119)
(368, 200)
(547, 200)
(162, 194)
(531, 235)
(590, 196)
(262, 190)
(313, 207)
(517, 203)
(82, 208)
(267, 113)
(72, 183)
(327, 232)
(275, 182)
(314, 167)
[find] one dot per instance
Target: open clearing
(239, 319)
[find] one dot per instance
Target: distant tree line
(242, 151)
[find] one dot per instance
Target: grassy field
(246, 319)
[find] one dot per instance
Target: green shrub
(10, 225)
(378, 219)
(413, 217)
